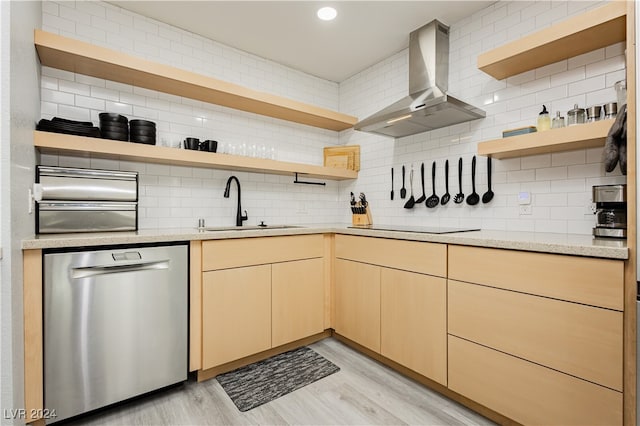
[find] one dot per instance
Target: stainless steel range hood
(428, 106)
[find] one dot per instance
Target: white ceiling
(288, 32)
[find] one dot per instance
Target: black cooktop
(421, 229)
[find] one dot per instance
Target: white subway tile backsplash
(68, 161)
(90, 103)
(601, 97)
(106, 164)
(48, 110)
(48, 83)
(74, 113)
(74, 87)
(521, 176)
(550, 200)
(536, 161)
(90, 33)
(587, 58)
(551, 173)
(568, 158)
(569, 185)
(119, 16)
(103, 93)
(556, 226)
(175, 196)
(587, 85)
(569, 76)
(119, 108)
(122, 40)
(89, 81)
(57, 97)
(612, 64)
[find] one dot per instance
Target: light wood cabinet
(357, 302)
(236, 314)
(581, 340)
(526, 392)
(414, 322)
(232, 253)
(596, 282)
(537, 337)
(414, 256)
(390, 296)
(258, 294)
(297, 300)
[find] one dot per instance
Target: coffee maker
(611, 211)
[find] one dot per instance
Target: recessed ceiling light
(327, 13)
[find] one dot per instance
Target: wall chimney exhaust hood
(428, 105)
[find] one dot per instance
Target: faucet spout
(239, 216)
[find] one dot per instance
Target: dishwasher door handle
(91, 271)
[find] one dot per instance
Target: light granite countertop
(571, 244)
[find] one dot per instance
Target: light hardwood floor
(362, 392)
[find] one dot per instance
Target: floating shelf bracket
(303, 182)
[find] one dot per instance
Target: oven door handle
(91, 271)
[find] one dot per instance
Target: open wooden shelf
(589, 135)
(581, 34)
(56, 143)
(83, 58)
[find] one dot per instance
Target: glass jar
(557, 121)
(544, 121)
(575, 116)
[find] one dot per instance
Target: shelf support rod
(307, 182)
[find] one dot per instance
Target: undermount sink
(247, 228)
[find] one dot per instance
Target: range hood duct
(428, 105)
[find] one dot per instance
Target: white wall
(172, 196)
(560, 184)
(6, 392)
(20, 109)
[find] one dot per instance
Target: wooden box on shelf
(343, 157)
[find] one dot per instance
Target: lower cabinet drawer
(239, 252)
(587, 280)
(528, 393)
(580, 340)
(414, 256)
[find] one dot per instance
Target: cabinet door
(413, 322)
(236, 314)
(297, 300)
(357, 302)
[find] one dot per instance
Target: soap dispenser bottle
(544, 120)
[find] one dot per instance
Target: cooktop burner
(421, 229)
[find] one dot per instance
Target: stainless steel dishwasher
(115, 325)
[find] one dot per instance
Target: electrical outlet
(525, 209)
(590, 208)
